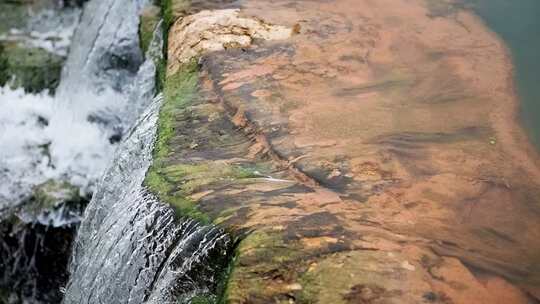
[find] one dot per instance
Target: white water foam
(72, 136)
(43, 138)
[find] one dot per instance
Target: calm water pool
(518, 24)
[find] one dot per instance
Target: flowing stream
(130, 247)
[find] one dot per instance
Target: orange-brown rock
(387, 164)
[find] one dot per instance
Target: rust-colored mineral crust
(387, 162)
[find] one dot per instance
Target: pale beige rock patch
(216, 30)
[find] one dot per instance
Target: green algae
(179, 90)
(195, 177)
(51, 195)
(149, 18)
(172, 9)
(203, 299)
(341, 277)
(243, 281)
(46, 197)
(175, 183)
(53, 192)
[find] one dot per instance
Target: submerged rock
(34, 36)
(54, 204)
(12, 15)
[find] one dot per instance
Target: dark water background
(517, 22)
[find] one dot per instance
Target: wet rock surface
(35, 244)
(208, 31)
(33, 69)
(385, 164)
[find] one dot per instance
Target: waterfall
(105, 53)
(130, 247)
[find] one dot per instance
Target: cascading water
(27, 120)
(130, 248)
(39, 211)
(70, 137)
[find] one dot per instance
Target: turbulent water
(30, 123)
(130, 248)
(71, 136)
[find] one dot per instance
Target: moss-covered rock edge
(179, 91)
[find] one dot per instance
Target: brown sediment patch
(395, 157)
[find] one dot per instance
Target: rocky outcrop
(364, 159)
(217, 30)
(34, 69)
(33, 42)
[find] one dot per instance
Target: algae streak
(150, 17)
(179, 91)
